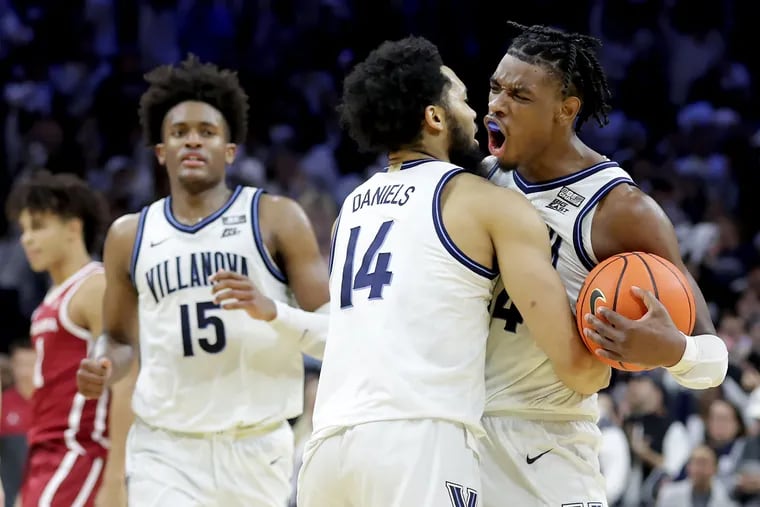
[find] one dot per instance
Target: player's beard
(464, 151)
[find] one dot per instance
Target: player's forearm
(704, 363)
(309, 328)
(120, 420)
(120, 352)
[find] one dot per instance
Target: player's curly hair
(385, 96)
(64, 195)
(571, 57)
(193, 80)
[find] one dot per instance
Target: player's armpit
(297, 248)
(521, 241)
(120, 298)
(85, 308)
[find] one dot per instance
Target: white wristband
(690, 355)
(704, 362)
(309, 328)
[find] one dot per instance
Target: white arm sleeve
(309, 328)
(704, 362)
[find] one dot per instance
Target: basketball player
(401, 389)
(542, 436)
(186, 275)
(60, 220)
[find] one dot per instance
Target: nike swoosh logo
(596, 295)
(156, 243)
(532, 460)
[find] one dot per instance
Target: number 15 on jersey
(375, 280)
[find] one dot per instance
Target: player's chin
(196, 180)
(37, 264)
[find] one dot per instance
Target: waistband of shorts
(236, 433)
(535, 415)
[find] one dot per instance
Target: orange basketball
(609, 284)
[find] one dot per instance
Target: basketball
(609, 284)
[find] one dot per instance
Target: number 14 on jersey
(375, 280)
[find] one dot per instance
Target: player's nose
(497, 106)
(193, 139)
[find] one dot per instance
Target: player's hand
(233, 291)
(651, 341)
(92, 377)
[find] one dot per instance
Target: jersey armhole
(259, 239)
(588, 259)
(136, 246)
(444, 237)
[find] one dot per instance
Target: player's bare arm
(115, 349)
(295, 247)
(653, 339)
(86, 311)
(520, 238)
(291, 241)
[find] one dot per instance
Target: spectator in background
(15, 418)
(700, 489)
(659, 443)
(614, 454)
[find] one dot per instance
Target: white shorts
(419, 463)
(541, 463)
(250, 469)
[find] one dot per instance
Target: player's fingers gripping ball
(609, 285)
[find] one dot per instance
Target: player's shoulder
(628, 203)
(122, 233)
(282, 215)
(125, 224)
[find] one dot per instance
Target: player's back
(520, 379)
(202, 368)
(408, 310)
(59, 414)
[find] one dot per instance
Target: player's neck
(69, 265)
(560, 159)
(399, 157)
(190, 209)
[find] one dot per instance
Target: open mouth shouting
(497, 138)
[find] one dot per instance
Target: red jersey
(59, 414)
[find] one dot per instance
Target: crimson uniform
(68, 435)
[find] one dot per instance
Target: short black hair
(64, 195)
(572, 58)
(196, 81)
(385, 96)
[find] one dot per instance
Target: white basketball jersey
(520, 379)
(204, 369)
(408, 310)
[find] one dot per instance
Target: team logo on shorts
(461, 496)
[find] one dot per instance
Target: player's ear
(229, 153)
(569, 110)
(160, 151)
(435, 119)
(75, 227)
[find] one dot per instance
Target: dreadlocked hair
(192, 80)
(572, 58)
(64, 195)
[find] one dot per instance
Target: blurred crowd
(686, 125)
